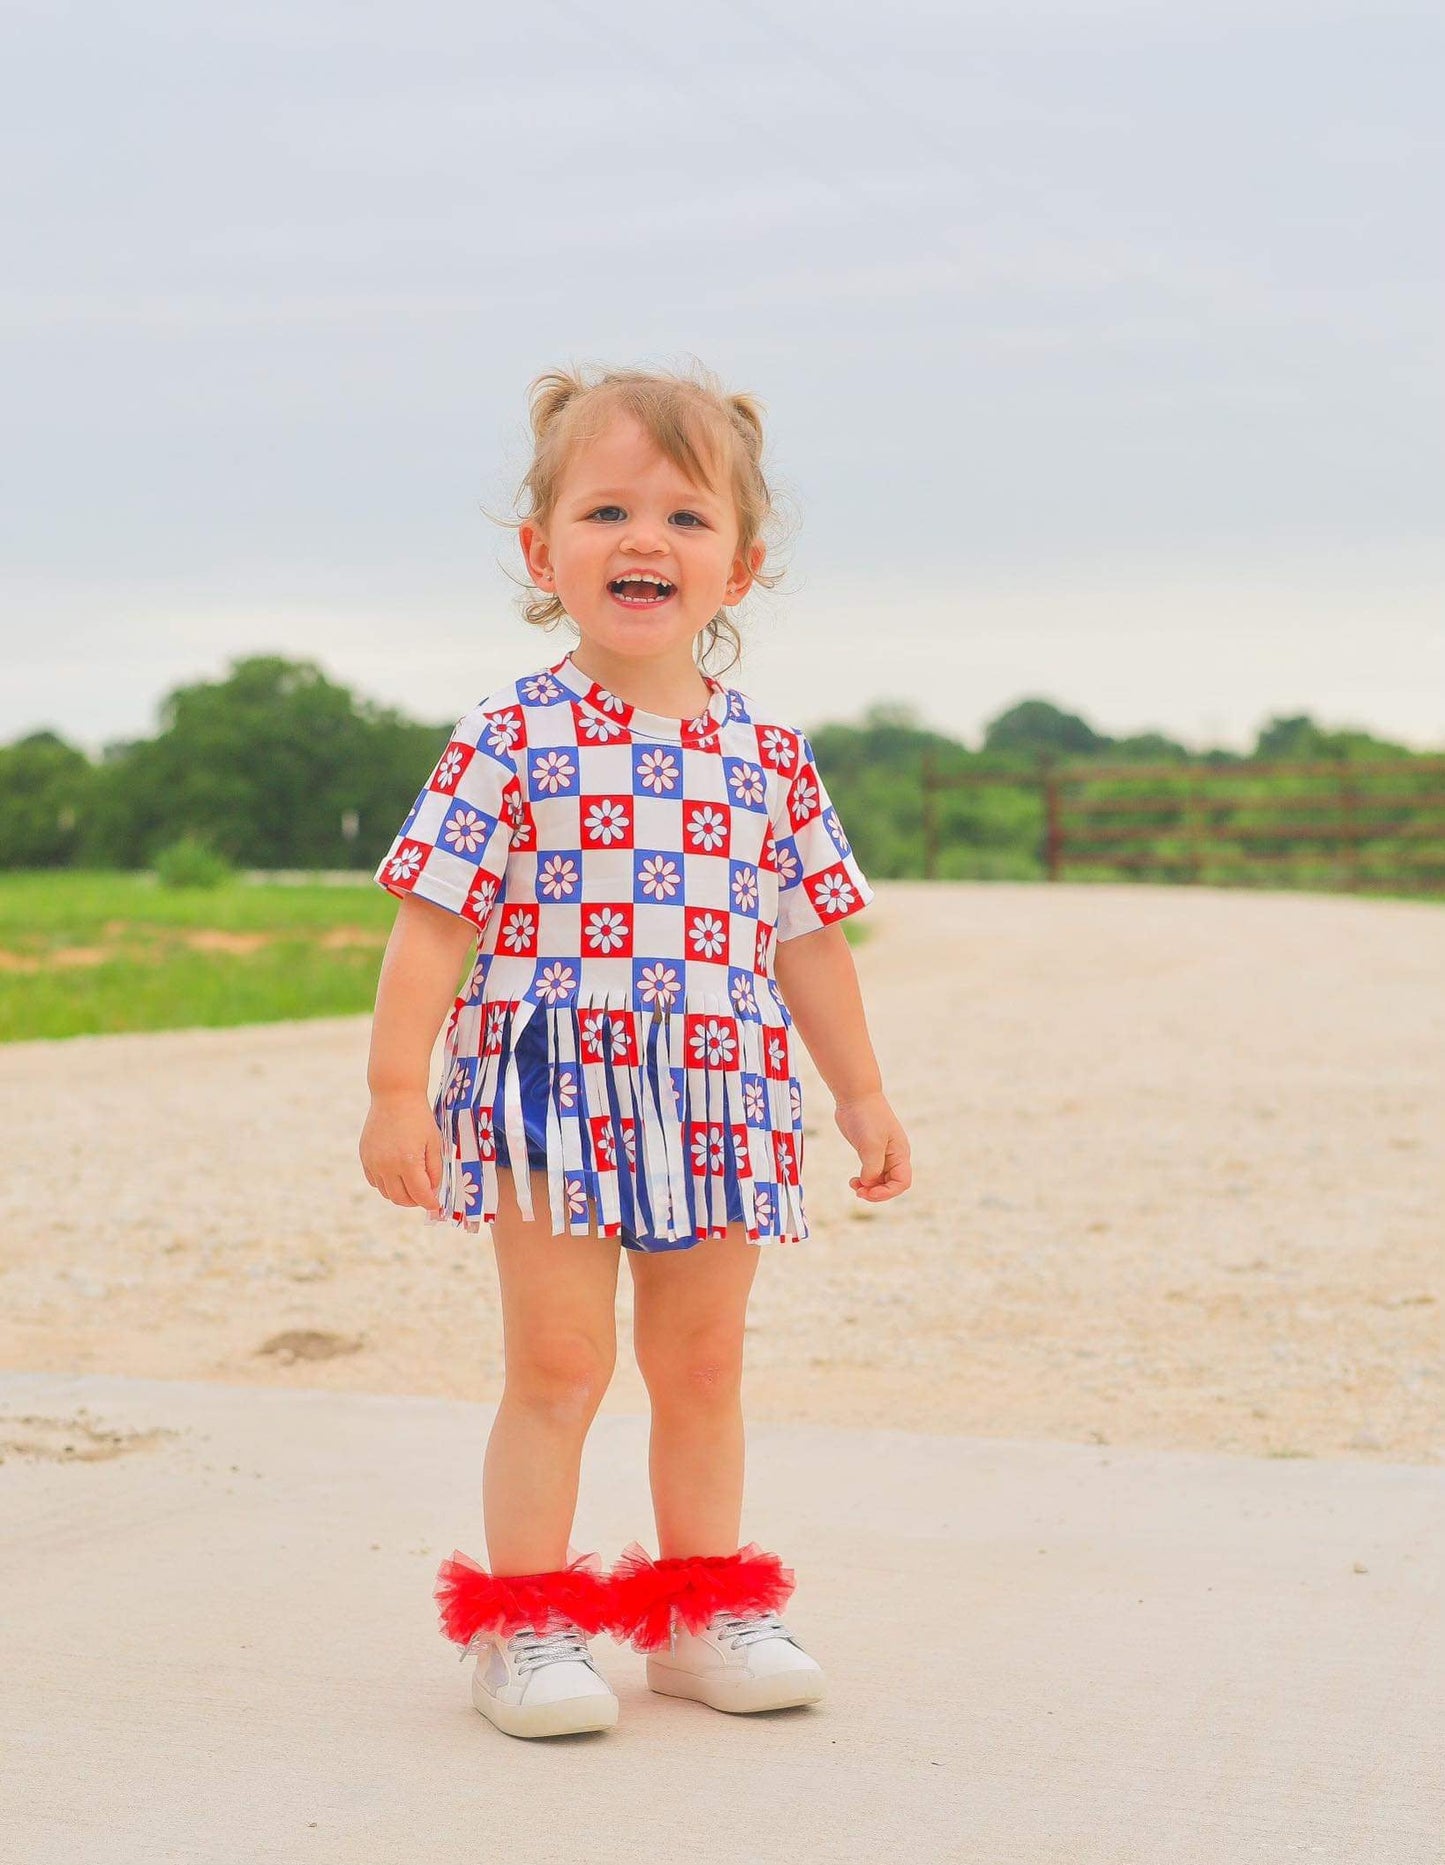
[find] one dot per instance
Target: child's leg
(559, 1299)
(689, 1307)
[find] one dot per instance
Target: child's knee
(563, 1374)
(702, 1369)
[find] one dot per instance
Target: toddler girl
(654, 879)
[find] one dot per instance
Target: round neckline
(600, 699)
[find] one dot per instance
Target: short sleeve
(819, 879)
(452, 846)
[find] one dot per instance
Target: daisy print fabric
(629, 876)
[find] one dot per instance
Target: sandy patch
(79, 1439)
(1180, 1165)
(233, 944)
(341, 938)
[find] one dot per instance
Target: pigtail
(548, 395)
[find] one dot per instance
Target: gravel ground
(1179, 1182)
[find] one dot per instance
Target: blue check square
(656, 770)
(657, 877)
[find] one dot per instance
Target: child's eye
(603, 510)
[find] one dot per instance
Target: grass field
(85, 953)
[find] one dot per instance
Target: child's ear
(741, 580)
(536, 555)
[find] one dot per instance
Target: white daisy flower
(658, 771)
(503, 733)
(557, 981)
(660, 877)
(605, 931)
(466, 832)
(834, 894)
(553, 771)
(707, 1150)
(559, 877)
(713, 1043)
(748, 786)
(709, 935)
(659, 984)
(607, 821)
(779, 746)
(707, 828)
(518, 931)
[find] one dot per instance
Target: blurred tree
(1300, 737)
(264, 765)
(47, 788)
(1038, 726)
(1149, 748)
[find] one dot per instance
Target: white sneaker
(540, 1683)
(738, 1662)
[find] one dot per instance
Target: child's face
(622, 509)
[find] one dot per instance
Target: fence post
(1349, 824)
(1054, 838)
(1194, 803)
(930, 831)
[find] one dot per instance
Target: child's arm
(400, 1147)
(819, 983)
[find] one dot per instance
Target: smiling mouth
(641, 592)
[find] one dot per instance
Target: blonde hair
(691, 419)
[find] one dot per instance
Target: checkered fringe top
(626, 870)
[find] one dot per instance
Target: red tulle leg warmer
(472, 1600)
(645, 1593)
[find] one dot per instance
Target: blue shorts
(531, 1055)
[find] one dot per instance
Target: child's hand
(401, 1149)
(872, 1129)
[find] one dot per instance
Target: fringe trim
(598, 1052)
(645, 1593)
(472, 1600)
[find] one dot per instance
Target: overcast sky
(1100, 344)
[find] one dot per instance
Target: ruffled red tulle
(645, 1593)
(472, 1600)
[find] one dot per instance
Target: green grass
(149, 978)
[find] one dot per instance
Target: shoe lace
(532, 1649)
(748, 1628)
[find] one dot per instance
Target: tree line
(277, 766)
